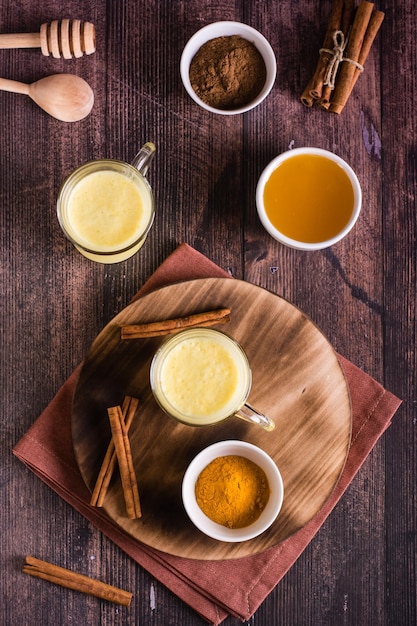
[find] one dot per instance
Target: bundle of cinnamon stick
(119, 451)
(348, 40)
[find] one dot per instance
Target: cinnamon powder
(227, 72)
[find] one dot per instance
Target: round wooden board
(297, 380)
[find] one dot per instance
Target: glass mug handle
(249, 414)
(144, 158)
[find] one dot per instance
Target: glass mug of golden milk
(308, 198)
(106, 207)
(201, 376)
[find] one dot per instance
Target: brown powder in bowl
(227, 72)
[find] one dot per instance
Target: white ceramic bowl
(301, 245)
(251, 452)
(226, 29)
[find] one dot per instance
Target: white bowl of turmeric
(228, 67)
(232, 491)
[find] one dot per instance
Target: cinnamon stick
(124, 458)
(341, 95)
(313, 90)
(353, 50)
(77, 582)
(171, 326)
(109, 462)
(347, 15)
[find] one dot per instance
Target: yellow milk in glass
(202, 377)
(107, 211)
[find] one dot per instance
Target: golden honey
(309, 198)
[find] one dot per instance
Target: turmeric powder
(232, 491)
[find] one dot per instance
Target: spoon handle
(14, 86)
(20, 40)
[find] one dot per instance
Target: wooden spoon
(66, 97)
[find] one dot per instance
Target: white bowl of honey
(308, 198)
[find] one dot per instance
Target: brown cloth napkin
(213, 588)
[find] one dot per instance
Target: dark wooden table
(360, 569)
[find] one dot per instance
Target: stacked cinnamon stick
(119, 451)
(348, 40)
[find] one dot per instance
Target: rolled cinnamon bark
(347, 15)
(313, 90)
(109, 463)
(348, 69)
(374, 25)
(124, 457)
(171, 326)
(73, 580)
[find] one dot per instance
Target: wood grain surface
(297, 381)
(360, 568)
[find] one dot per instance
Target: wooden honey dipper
(61, 38)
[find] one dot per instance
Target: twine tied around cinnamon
(337, 57)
